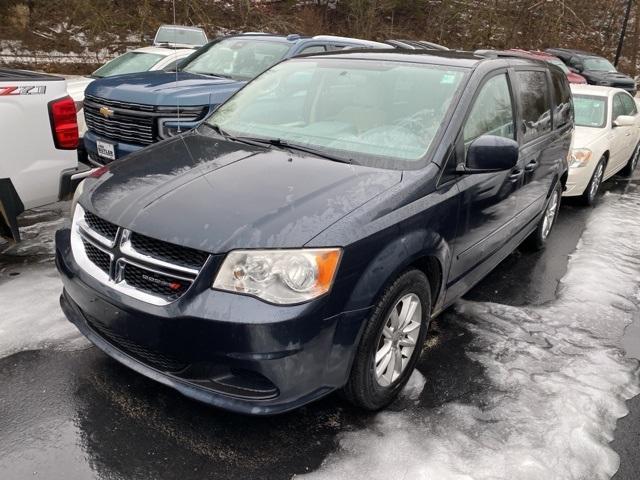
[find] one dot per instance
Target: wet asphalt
(78, 415)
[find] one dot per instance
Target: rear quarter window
(563, 112)
(535, 104)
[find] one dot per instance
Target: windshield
(131, 62)
(375, 113)
(559, 63)
(238, 58)
(180, 36)
(590, 111)
(598, 64)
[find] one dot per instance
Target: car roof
(453, 58)
(594, 90)
(580, 53)
(162, 50)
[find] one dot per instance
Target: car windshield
(590, 111)
(559, 63)
(598, 64)
(238, 58)
(180, 36)
(131, 62)
(376, 113)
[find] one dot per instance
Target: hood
(583, 137)
(215, 195)
(616, 78)
(165, 88)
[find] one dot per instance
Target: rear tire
(385, 360)
(590, 194)
(628, 170)
(538, 239)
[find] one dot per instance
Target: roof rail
(488, 53)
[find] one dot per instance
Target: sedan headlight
(580, 157)
(279, 276)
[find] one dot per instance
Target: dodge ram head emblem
(106, 112)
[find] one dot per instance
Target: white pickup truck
(38, 144)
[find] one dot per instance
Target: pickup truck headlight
(580, 157)
(279, 276)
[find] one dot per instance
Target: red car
(538, 55)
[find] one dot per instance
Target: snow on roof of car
(595, 90)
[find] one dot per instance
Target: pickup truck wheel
(391, 342)
(538, 239)
(632, 163)
(591, 192)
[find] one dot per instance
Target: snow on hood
(558, 380)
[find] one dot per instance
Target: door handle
(515, 175)
(531, 166)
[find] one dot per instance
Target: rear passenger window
(629, 104)
(563, 112)
(618, 107)
(535, 104)
(492, 112)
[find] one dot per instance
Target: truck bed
(11, 74)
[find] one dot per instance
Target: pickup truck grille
(129, 122)
(151, 270)
(132, 123)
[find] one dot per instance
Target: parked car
(606, 140)
(39, 137)
(595, 69)
(415, 45)
(124, 115)
(180, 36)
(546, 57)
(172, 43)
(302, 237)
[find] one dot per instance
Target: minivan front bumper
(232, 351)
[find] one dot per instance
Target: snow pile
(558, 380)
(30, 288)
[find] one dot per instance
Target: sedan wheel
(591, 193)
(550, 214)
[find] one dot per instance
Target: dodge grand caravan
(300, 240)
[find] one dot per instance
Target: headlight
(279, 276)
(579, 157)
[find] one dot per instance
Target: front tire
(538, 239)
(391, 342)
(627, 171)
(591, 192)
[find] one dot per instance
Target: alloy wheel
(550, 214)
(597, 180)
(398, 339)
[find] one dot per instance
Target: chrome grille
(158, 273)
(133, 123)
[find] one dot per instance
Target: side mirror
(490, 153)
(573, 69)
(624, 121)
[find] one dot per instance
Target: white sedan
(605, 140)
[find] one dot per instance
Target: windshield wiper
(226, 135)
(278, 142)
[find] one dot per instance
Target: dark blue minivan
(125, 113)
(300, 240)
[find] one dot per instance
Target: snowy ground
(30, 288)
(554, 381)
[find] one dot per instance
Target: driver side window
(492, 111)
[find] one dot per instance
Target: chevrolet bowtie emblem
(106, 112)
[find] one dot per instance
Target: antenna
(175, 43)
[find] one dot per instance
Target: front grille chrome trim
(127, 248)
(121, 253)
